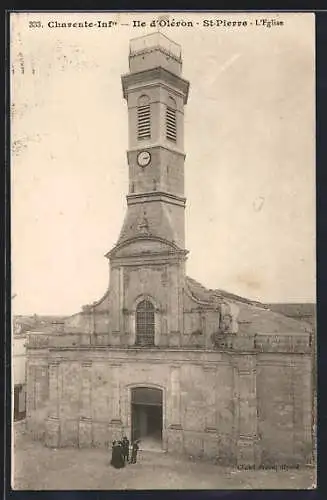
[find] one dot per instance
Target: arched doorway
(146, 411)
(145, 323)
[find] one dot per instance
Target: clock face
(143, 158)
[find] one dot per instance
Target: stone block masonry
(230, 407)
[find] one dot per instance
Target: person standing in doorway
(113, 454)
(117, 460)
(125, 442)
(135, 448)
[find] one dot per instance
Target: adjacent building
(19, 370)
(21, 326)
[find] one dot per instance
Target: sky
(249, 143)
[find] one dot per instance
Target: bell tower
(147, 264)
(156, 95)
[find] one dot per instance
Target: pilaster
(175, 432)
(210, 444)
(115, 305)
(52, 434)
(115, 422)
(302, 410)
(210, 383)
(175, 392)
(85, 420)
(246, 414)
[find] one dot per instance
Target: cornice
(148, 50)
(159, 74)
(139, 260)
(135, 198)
(174, 248)
(150, 146)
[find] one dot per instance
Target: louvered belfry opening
(143, 118)
(171, 132)
(145, 323)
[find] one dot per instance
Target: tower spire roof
(155, 50)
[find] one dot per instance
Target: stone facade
(234, 377)
(242, 403)
(19, 375)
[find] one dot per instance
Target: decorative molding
(248, 437)
(175, 427)
(206, 304)
(160, 74)
(52, 364)
(210, 368)
(159, 196)
(162, 258)
(157, 146)
(116, 421)
(173, 246)
(148, 50)
(86, 364)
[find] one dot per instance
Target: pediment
(143, 246)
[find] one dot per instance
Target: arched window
(143, 118)
(145, 323)
(171, 125)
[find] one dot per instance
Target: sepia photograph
(163, 250)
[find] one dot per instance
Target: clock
(143, 158)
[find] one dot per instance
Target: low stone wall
(281, 342)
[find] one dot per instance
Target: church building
(159, 357)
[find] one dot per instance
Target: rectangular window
(143, 122)
(171, 124)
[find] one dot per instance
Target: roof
(199, 291)
(260, 316)
(209, 294)
(36, 322)
(302, 311)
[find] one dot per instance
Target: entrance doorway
(147, 417)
